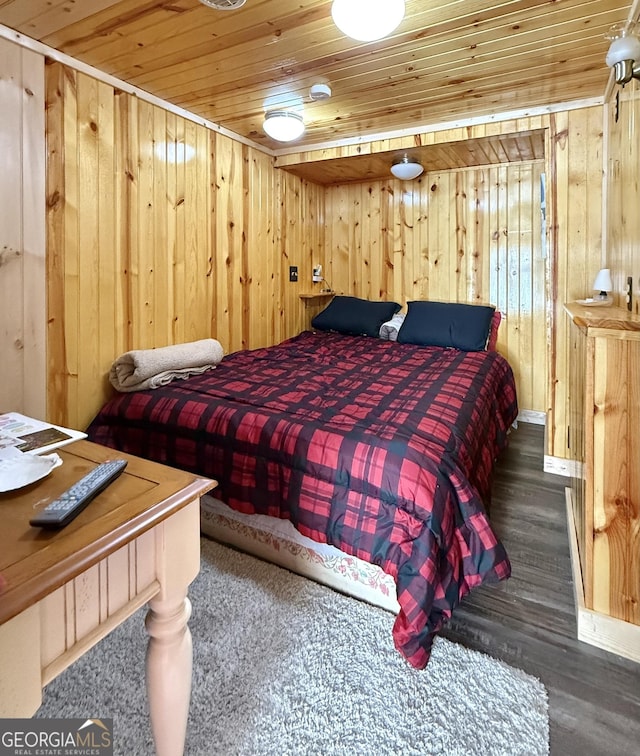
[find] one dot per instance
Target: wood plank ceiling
(522, 146)
(446, 61)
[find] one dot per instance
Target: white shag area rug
(285, 666)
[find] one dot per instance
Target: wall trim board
(569, 468)
(532, 416)
(510, 115)
(11, 35)
(612, 634)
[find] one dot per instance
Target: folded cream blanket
(151, 368)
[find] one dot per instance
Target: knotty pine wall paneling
(236, 224)
(622, 178)
(568, 262)
(300, 218)
(22, 232)
(230, 261)
(469, 235)
(161, 231)
(575, 176)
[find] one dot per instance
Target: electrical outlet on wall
(293, 273)
(317, 274)
(629, 293)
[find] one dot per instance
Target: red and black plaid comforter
(384, 450)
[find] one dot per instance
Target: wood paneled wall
(472, 235)
(575, 217)
(622, 180)
(22, 232)
(146, 251)
(161, 231)
(573, 179)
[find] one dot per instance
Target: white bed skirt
(279, 542)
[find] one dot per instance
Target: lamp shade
(367, 20)
(406, 168)
(283, 125)
(622, 48)
(603, 281)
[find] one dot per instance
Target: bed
(379, 449)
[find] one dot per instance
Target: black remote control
(62, 510)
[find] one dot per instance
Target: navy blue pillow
(447, 324)
(354, 317)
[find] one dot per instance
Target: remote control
(69, 504)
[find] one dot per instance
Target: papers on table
(24, 442)
(31, 436)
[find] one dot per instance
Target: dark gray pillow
(354, 317)
(447, 324)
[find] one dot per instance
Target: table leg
(169, 664)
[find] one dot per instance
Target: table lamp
(603, 284)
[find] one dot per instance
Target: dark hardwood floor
(529, 620)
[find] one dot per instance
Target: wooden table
(137, 542)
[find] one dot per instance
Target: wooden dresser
(603, 503)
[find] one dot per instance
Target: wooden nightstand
(138, 541)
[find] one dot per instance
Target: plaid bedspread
(384, 450)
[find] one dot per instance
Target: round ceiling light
(224, 4)
(367, 20)
(406, 168)
(283, 125)
(319, 91)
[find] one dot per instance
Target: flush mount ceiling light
(624, 52)
(319, 91)
(283, 125)
(406, 168)
(224, 4)
(367, 20)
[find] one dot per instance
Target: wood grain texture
(607, 505)
(22, 232)
(468, 235)
(444, 62)
(622, 181)
(206, 277)
(145, 495)
(575, 223)
(493, 149)
(529, 620)
(161, 231)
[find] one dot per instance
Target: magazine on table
(26, 435)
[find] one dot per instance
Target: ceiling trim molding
(11, 35)
(446, 125)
